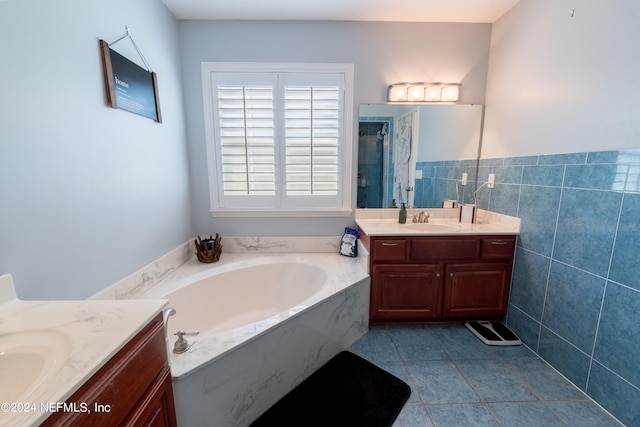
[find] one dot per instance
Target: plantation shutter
(245, 136)
(313, 107)
(278, 139)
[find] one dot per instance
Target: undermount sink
(28, 358)
(430, 226)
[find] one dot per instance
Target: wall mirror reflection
(417, 154)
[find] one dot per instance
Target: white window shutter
(276, 139)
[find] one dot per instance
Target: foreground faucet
(423, 216)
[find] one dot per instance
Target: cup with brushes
(208, 250)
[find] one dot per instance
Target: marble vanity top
(87, 333)
(442, 222)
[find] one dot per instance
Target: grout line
(553, 248)
(496, 358)
(604, 293)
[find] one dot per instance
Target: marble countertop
(384, 222)
(93, 331)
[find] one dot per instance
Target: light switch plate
(492, 180)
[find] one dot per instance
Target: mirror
(417, 154)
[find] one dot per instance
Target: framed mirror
(417, 154)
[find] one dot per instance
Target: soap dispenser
(402, 217)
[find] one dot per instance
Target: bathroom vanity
(132, 388)
(85, 362)
(442, 270)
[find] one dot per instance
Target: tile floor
(458, 381)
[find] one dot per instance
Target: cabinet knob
(450, 274)
(498, 242)
(389, 244)
(437, 274)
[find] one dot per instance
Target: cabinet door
(401, 292)
(157, 407)
(475, 290)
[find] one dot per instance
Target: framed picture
(129, 86)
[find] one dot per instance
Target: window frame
(217, 205)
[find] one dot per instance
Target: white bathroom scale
(492, 332)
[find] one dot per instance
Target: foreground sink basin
(430, 226)
(28, 358)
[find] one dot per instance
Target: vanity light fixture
(433, 92)
(423, 92)
(415, 92)
(451, 92)
(397, 92)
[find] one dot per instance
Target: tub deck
(342, 273)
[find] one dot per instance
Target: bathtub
(253, 295)
(265, 323)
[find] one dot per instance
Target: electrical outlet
(464, 178)
(418, 173)
(492, 180)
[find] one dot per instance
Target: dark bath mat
(347, 391)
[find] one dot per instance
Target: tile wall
(575, 296)
(441, 181)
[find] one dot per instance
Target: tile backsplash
(575, 297)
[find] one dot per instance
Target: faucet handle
(181, 344)
(181, 334)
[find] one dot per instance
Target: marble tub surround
(384, 222)
(138, 282)
(363, 256)
(234, 375)
(148, 276)
(282, 244)
(343, 272)
(93, 332)
(242, 383)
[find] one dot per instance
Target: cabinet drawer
(444, 249)
(121, 382)
(497, 248)
(390, 249)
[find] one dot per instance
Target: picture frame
(128, 86)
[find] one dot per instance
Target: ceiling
(482, 11)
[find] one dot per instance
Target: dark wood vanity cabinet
(426, 278)
(132, 389)
(406, 291)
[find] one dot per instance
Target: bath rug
(348, 391)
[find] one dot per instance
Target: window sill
(292, 213)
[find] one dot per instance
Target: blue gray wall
(88, 194)
(383, 53)
(562, 136)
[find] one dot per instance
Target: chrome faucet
(181, 344)
(423, 216)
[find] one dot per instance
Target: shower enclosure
(374, 161)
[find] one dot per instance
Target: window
(279, 137)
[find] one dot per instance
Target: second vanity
(83, 362)
(439, 270)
